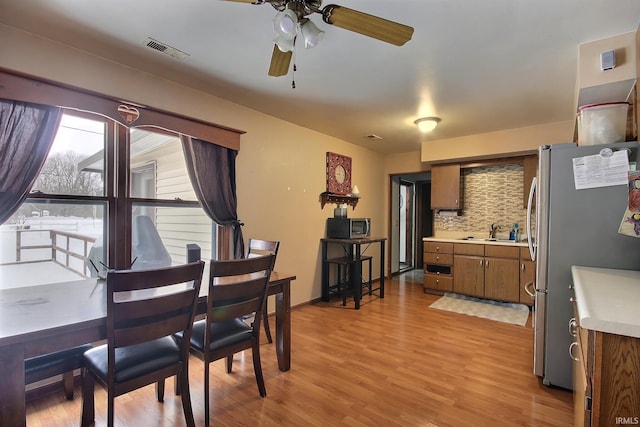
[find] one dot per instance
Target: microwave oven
(348, 228)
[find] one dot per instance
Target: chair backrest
(237, 288)
(259, 247)
(144, 305)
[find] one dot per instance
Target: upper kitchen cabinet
(530, 171)
(445, 187)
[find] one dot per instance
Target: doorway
(411, 219)
(406, 228)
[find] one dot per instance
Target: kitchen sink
(480, 239)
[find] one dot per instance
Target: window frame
(118, 232)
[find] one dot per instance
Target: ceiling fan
(293, 16)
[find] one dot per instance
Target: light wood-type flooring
(395, 362)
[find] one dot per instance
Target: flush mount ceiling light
(427, 124)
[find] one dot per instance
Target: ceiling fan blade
(279, 62)
(368, 25)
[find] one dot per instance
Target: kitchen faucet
(492, 230)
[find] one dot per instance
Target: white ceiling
(479, 65)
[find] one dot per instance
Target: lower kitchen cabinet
(487, 271)
(501, 273)
(438, 265)
(606, 346)
(468, 269)
(606, 379)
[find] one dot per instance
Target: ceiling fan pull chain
(293, 77)
(295, 67)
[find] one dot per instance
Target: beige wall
(589, 72)
(505, 143)
(281, 166)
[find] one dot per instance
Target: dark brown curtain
(212, 170)
(26, 134)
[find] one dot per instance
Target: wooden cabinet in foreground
(606, 379)
(445, 187)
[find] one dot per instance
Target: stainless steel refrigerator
(572, 227)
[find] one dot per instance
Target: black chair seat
(48, 365)
(223, 334)
(134, 361)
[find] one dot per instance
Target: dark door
(424, 218)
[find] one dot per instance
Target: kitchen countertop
(607, 299)
(482, 241)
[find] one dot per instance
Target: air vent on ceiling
(373, 137)
(165, 48)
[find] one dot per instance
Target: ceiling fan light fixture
(427, 124)
(285, 44)
(285, 23)
(311, 34)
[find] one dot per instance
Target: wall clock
(338, 173)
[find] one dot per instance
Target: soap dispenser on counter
(514, 233)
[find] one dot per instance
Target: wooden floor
(395, 362)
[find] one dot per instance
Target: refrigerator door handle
(527, 289)
(530, 235)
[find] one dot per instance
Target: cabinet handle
(437, 248)
(571, 347)
(481, 263)
(437, 258)
(522, 267)
(486, 264)
(573, 326)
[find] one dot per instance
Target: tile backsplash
(492, 194)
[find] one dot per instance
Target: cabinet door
(468, 275)
(445, 187)
(527, 276)
(581, 383)
(501, 279)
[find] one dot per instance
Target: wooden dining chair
(236, 288)
(259, 247)
(144, 309)
(49, 365)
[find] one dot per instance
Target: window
(118, 167)
(81, 218)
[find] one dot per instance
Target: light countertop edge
(475, 241)
(608, 299)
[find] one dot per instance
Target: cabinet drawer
(501, 251)
(525, 255)
(441, 283)
(468, 249)
(439, 247)
(435, 258)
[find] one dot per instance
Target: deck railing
(65, 248)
